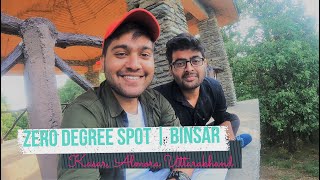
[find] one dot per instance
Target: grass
(277, 163)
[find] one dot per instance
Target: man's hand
(230, 134)
(187, 171)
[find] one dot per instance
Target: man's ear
(102, 64)
(205, 62)
(170, 69)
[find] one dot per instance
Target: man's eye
(145, 54)
(179, 63)
(120, 54)
(196, 61)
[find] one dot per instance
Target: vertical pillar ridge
(43, 104)
(216, 54)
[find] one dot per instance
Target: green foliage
(69, 91)
(312, 168)
(8, 118)
(23, 122)
(102, 77)
(6, 122)
(281, 68)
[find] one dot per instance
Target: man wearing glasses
(195, 97)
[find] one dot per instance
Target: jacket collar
(115, 109)
(109, 100)
(147, 98)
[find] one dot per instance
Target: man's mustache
(190, 74)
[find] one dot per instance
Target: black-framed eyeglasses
(182, 63)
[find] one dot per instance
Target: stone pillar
(172, 20)
(216, 54)
(92, 76)
(43, 104)
(211, 73)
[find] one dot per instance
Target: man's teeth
(132, 77)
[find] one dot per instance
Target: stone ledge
(249, 114)
(15, 165)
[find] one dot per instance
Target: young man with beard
(195, 97)
(123, 99)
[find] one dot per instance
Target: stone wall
(172, 20)
(216, 54)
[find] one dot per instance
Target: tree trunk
(292, 139)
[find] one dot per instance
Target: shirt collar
(179, 95)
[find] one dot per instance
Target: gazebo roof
(91, 17)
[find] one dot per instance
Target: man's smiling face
(129, 65)
(189, 77)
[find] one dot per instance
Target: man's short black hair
(183, 41)
(137, 29)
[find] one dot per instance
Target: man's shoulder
(88, 99)
(85, 111)
(151, 94)
(154, 99)
(211, 85)
(210, 82)
(166, 89)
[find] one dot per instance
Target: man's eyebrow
(122, 46)
(185, 59)
(181, 59)
(195, 56)
(146, 48)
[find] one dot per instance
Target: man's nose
(189, 66)
(133, 62)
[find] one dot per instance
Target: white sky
(12, 87)
(312, 8)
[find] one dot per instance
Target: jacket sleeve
(168, 116)
(77, 116)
